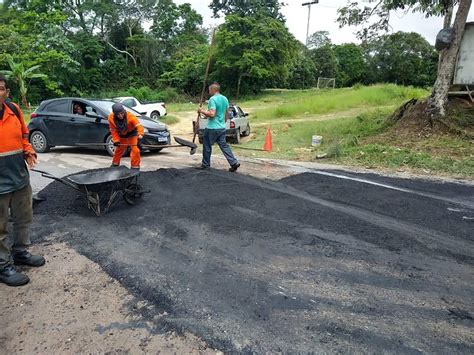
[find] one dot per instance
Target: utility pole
(309, 17)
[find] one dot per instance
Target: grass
(298, 103)
(367, 139)
(169, 119)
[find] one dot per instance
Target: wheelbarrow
(103, 187)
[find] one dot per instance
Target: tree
(270, 8)
(376, 18)
(402, 58)
(325, 62)
(23, 77)
(302, 71)
(257, 48)
(351, 67)
(319, 39)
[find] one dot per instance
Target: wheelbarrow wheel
(133, 194)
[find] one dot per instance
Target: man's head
(78, 110)
(214, 88)
(4, 89)
(119, 111)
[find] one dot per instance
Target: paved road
(318, 261)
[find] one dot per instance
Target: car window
(241, 113)
(232, 112)
(129, 102)
(61, 106)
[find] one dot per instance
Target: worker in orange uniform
(16, 202)
(126, 131)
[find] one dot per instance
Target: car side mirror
(246, 114)
(94, 115)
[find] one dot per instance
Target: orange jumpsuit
(127, 137)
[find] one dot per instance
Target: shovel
(181, 143)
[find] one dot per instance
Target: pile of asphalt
(309, 263)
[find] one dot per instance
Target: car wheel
(39, 142)
(236, 137)
(246, 133)
(109, 146)
(155, 115)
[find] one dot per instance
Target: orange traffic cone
(268, 146)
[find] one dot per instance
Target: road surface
(280, 258)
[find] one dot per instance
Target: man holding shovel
(126, 131)
(217, 113)
(15, 191)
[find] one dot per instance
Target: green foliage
(374, 18)
(404, 58)
(315, 102)
(22, 76)
(351, 67)
(253, 51)
(268, 8)
(88, 47)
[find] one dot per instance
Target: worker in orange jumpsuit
(16, 203)
(126, 131)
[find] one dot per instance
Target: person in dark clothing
(16, 155)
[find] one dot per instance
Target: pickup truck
(236, 126)
(151, 109)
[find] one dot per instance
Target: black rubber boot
(25, 258)
(234, 167)
(11, 277)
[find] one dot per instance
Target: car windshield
(107, 107)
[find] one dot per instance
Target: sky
(323, 18)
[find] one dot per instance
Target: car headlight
(146, 130)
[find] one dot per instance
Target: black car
(73, 121)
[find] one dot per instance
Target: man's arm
(28, 151)
(113, 129)
(211, 111)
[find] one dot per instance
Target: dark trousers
(18, 205)
(210, 137)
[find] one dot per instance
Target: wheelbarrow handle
(61, 180)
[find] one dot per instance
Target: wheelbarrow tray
(102, 187)
(104, 179)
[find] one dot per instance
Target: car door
(56, 119)
(243, 120)
(237, 119)
(87, 128)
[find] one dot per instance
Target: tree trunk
(238, 86)
(439, 97)
(448, 18)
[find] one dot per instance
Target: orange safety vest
(134, 128)
(14, 146)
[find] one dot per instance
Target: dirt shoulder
(72, 306)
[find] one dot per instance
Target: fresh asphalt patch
(307, 263)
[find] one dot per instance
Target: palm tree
(23, 77)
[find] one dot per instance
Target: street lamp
(309, 16)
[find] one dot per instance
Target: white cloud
(324, 15)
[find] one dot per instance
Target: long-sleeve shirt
(134, 128)
(14, 147)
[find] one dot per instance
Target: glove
(116, 144)
(140, 143)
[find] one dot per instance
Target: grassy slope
(363, 139)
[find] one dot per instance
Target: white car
(237, 125)
(154, 110)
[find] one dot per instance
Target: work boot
(11, 277)
(234, 167)
(202, 167)
(26, 258)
